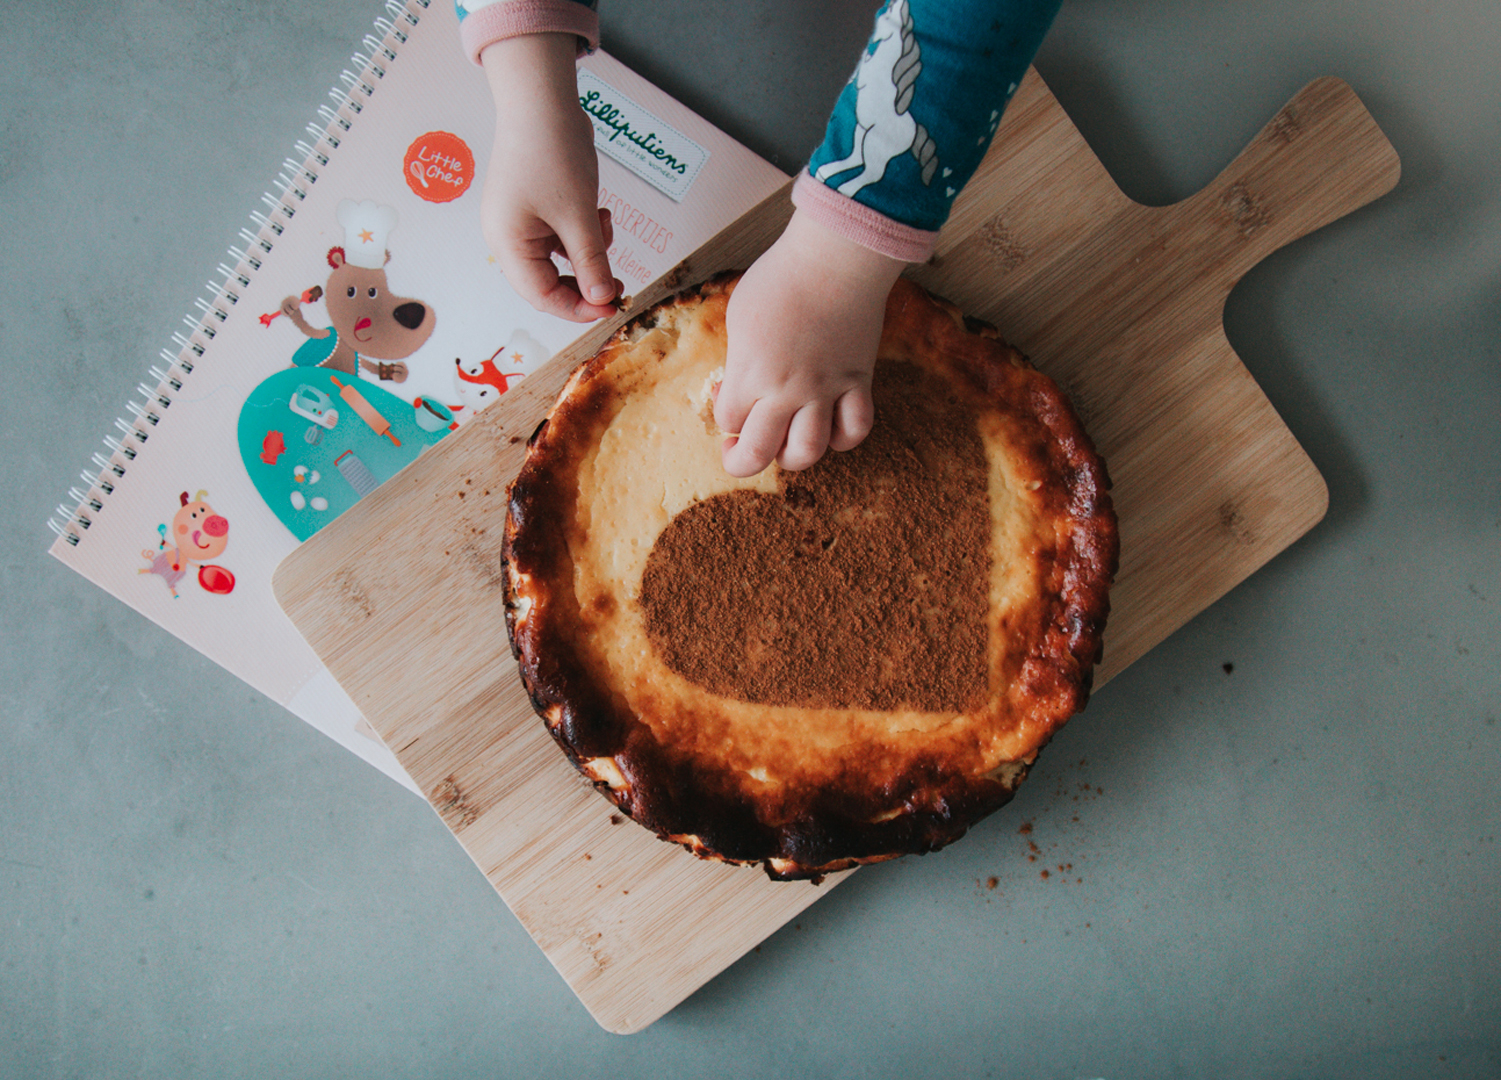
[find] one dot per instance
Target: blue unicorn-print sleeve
(911, 126)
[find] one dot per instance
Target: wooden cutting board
(1121, 303)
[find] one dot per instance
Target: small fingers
(538, 282)
(731, 406)
(537, 279)
(807, 436)
(586, 247)
(583, 311)
(759, 442)
(854, 416)
(607, 227)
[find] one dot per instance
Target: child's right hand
(804, 323)
(542, 186)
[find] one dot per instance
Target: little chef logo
(439, 166)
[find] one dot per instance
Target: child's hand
(542, 186)
(804, 323)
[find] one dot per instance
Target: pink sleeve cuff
(512, 18)
(854, 221)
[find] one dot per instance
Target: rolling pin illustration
(367, 412)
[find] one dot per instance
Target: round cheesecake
(809, 670)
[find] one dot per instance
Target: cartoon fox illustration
(481, 384)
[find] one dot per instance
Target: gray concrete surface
(1282, 822)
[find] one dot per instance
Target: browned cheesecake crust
(809, 670)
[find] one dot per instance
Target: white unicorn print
(884, 129)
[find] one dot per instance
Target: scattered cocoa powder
(863, 583)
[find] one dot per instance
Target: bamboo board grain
(1121, 303)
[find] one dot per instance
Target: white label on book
(650, 147)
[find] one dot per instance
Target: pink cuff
(512, 18)
(854, 221)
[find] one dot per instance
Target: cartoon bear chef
(372, 327)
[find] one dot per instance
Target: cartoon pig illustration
(196, 534)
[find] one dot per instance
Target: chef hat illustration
(366, 226)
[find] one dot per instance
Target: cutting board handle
(1321, 157)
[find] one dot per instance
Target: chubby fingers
(854, 416)
(586, 243)
(529, 267)
(807, 436)
(757, 426)
(823, 425)
(758, 440)
(732, 405)
(796, 436)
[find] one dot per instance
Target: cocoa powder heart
(863, 583)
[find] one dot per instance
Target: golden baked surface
(809, 670)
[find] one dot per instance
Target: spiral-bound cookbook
(361, 320)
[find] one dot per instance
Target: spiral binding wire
(297, 176)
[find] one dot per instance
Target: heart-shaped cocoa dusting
(863, 583)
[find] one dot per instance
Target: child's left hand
(542, 186)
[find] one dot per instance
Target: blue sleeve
(911, 126)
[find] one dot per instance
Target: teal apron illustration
(316, 441)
